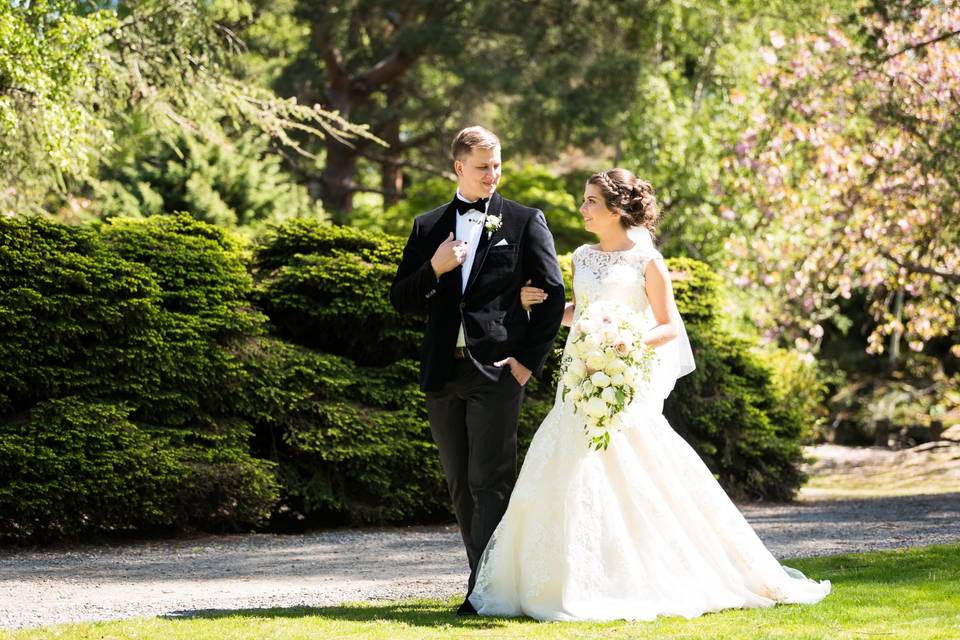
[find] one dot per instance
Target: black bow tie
(462, 207)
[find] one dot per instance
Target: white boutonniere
(491, 224)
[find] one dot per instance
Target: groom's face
(478, 172)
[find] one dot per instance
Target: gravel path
(181, 576)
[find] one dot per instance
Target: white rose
(609, 395)
(578, 368)
(581, 349)
(576, 393)
(600, 379)
(595, 360)
(617, 380)
(615, 366)
(595, 407)
(589, 326)
(592, 340)
(570, 379)
(609, 334)
(609, 360)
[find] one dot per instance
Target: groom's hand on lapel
(448, 256)
(519, 372)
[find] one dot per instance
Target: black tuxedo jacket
(495, 324)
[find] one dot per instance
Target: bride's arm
(568, 310)
(660, 295)
(568, 314)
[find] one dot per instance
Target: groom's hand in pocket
(519, 372)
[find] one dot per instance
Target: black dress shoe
(466, 609)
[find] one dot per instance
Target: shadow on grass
(414, 613)
(894, 579)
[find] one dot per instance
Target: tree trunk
(339, 179)
(391, 171)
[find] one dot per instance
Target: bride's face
(597, 218)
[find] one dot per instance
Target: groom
(463, 267)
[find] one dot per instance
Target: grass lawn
(911, 593)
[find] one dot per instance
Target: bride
(640, 528)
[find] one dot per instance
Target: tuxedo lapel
(495, 208)
(445, 225)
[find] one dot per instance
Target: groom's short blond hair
(475, 137)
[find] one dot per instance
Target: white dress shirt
(469, 228)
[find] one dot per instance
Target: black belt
(460, 353)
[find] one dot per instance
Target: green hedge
(130, 328)
(158, 375)
(352, 443)
(72, 465)
(728, 408)
(328, 288)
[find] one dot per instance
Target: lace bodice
(611, 276)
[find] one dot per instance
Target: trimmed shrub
(138, 320)
(73, 466)
(728, 409)
(352, 443)
(141, 387)
(328, 288)
(352, 439)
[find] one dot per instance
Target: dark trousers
(474, 423)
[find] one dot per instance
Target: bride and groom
(636, 529)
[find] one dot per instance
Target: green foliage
(236, 184)
(49, 56)
(72, 466)
(802, 384)
(73, 318)
(135, 323)
(138, 363)
(71, 71)
(537, 187)
(352, 443)
(328, 287)
(908, 408)
(397, 220)
(530, 185)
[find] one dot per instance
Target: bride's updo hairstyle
(629, 196)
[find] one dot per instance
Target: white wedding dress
(639, 530)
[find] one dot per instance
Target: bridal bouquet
(604, 368)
